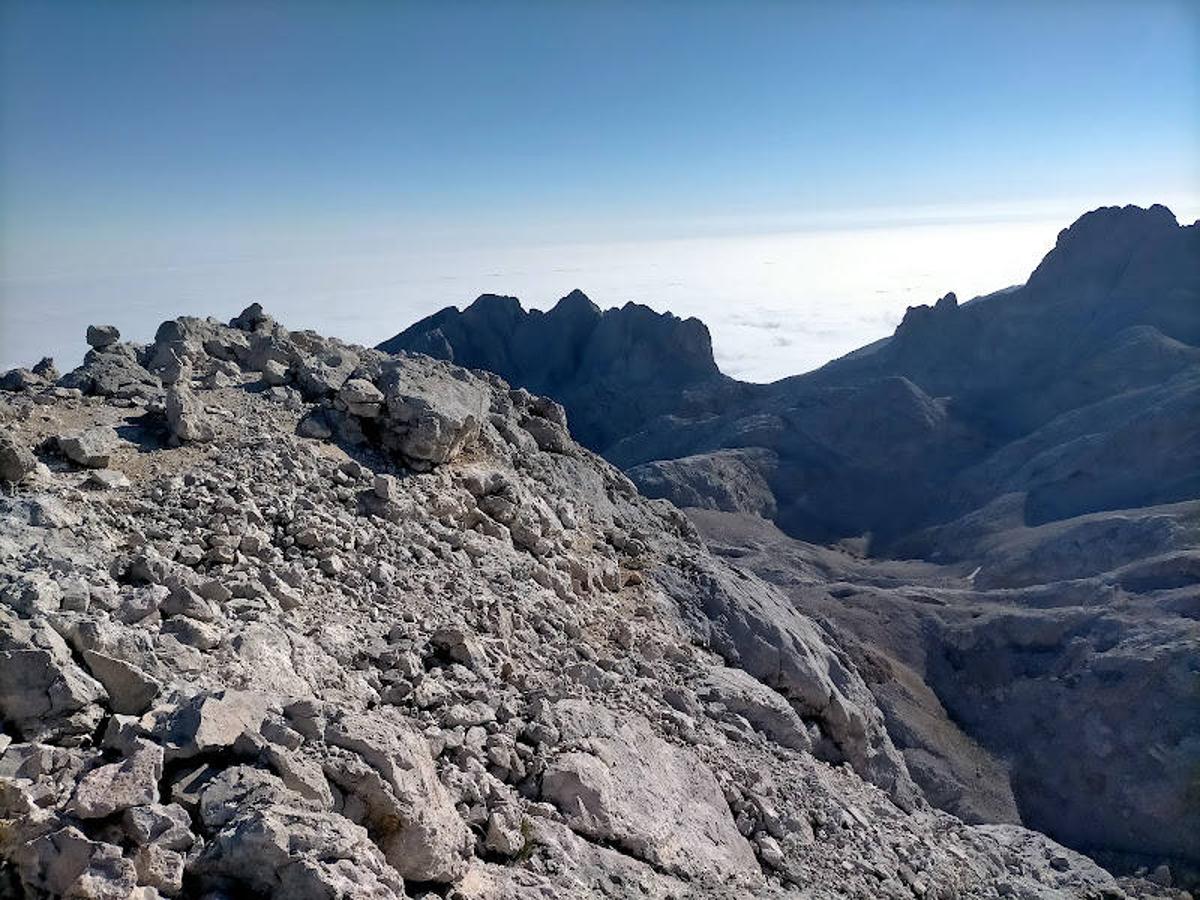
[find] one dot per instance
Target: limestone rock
(424, 838)
(186, 419)
(16, 460)
(91, 447)
(46, 697)
(119, 786)
(208, 722)
(631, 788)
(130, 690)
(101, 336)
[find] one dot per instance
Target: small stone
(506, 830)
(106, 480)
(387, 487)
(769, 851)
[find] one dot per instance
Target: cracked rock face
(438, 648)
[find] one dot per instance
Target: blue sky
(170, 133)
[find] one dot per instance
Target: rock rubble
(361, 625)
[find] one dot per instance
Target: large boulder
(272, 842)
(626, 786)
(431, 415)
(208, 722)
(392, 772)
(47, 697)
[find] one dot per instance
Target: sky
(356, 165)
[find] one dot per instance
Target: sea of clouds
(777, 304)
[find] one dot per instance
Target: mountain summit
(615, 369)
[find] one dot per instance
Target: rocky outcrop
(612, 369)
(441, 648)
(728, 480)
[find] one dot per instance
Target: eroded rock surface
(439, 647)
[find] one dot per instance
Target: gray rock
(275, 373)
(65, 863)
(48, 698)
(91, 447)
(424, 838)
(186, 419)
(362, 398)
(101, 336)
(130, 690)
(106, 480)
(653, 800)
(766, 710)
(120, 786)
(16, 460)
(208, 722)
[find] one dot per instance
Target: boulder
(66, 863)
(208, 722)
(130, 690)
(120, 786)
(362, 398)
(91, 447)
(272, 842)
(655, 801)
(101, 336)
(765, 709)
(186, 419)
(431, 416)
(421, 833)
(16, 460)
(47, 697)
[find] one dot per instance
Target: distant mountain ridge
(606, 366)
(964, 403)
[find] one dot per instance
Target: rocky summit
(281, 616)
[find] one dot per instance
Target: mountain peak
(1098, 246)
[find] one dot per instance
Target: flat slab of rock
(130, 690)
(653, 799)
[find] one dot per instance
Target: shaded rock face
(1108, 692)
(613, 369)
(728, 480)
(986, 689)
(1047, 389)
(440, 648)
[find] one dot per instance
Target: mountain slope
(287, 617)
(883, 441)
